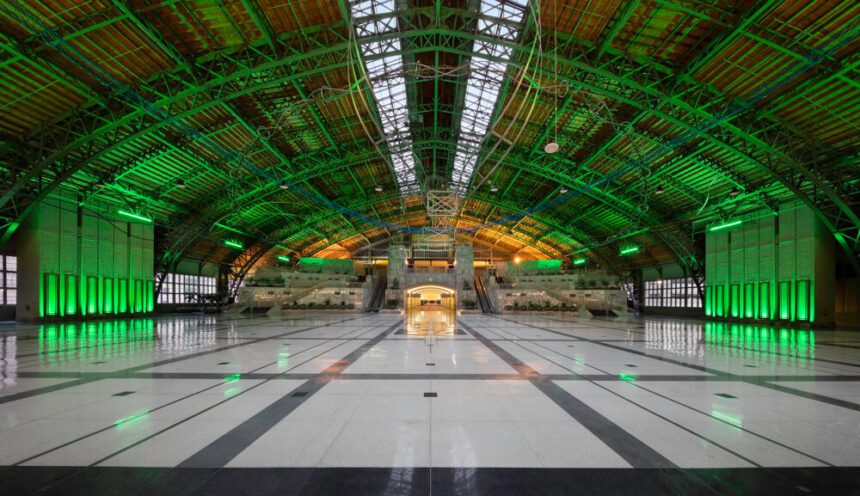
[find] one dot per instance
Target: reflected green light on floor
(232, 378)
(233, 391)
(730, 419)
(132, 418)
(756, 337)
(627, 377)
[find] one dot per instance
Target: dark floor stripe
(755, 380)
(219, 452)
(627, 446)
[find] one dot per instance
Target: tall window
(177, 287)
(673, 293)
(8, 280)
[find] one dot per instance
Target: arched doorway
(431, 309)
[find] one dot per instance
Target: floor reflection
(431, 319)
(695, 338)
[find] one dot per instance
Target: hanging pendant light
(551, 147)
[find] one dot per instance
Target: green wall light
(629, 250)
(726, 225)
(283, 258)
(233, 244)
(132, 215)
(580, 261)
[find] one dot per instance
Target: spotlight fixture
(734, 192)
(283, 185)
(551, 147)
(563, 190)
(378, 189)
(101, 184)
(180, 184)
(659, 190)
(494, 188)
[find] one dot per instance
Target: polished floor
(351, 404)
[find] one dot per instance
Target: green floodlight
(726, 225)
(580, 261)
(630, 250)
(234, 244)
(283, 258)
(132, 215)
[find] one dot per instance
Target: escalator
(378, 294)
(481, 292)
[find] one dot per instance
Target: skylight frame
(488, 66)
(388, 85)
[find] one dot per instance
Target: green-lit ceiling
(251, 120)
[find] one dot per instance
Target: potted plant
(469, 304)
(392, 303)
(395, 283)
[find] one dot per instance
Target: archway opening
(431, 309)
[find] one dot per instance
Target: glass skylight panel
(385, 73)
(501, 20)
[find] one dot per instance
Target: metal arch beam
(606, 198)
(418, 34)
(546, 221)
(637, 86)
(615, 204)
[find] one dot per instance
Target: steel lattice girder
(832, 204)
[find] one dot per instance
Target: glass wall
(8, 280)
(672, 293)
(177, 287)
